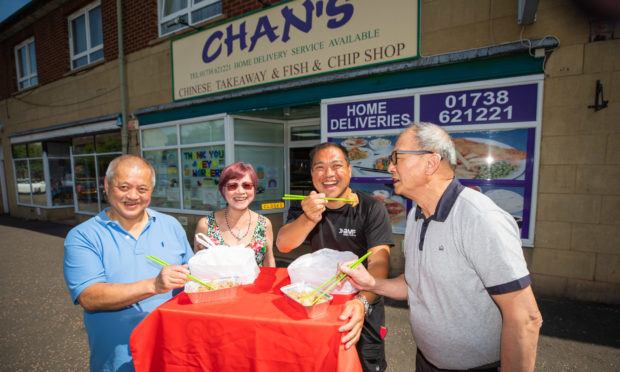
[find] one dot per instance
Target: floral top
(258, 243)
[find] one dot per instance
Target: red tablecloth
(256, 331)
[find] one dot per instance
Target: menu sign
(495, 126)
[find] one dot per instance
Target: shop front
(267, 87)
(59, 171)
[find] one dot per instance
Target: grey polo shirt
(454, 260)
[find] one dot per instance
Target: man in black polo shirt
(358, 227)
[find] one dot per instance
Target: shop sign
(295, 39)
(510, 104)
(495, 127)
(278, 205)
(388, 113)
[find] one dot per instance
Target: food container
(293, 291)
(199, 294)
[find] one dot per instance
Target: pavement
(41, 329)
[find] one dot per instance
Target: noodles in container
(296, 295)
(224, 289)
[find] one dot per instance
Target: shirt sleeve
(82, 265)
(493, 246)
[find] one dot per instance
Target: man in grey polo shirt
(466, 281)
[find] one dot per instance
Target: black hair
(325, 145)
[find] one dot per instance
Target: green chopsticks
(338, 278)
(302, 197)
(164, 263)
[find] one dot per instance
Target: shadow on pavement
(581, 321)
(45, 227)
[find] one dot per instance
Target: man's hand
(171, 277)
(354, 312)
(359, 277)
(313, 206)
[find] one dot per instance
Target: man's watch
(367, 308)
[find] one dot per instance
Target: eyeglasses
(233, 186)
(394, 157)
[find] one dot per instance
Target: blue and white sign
(508, 104)
(380, 114)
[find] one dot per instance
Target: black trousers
(371, 346)
(423, 365)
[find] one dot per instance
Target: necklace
(237, 236)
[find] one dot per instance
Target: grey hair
(433, 138)
(111, 171)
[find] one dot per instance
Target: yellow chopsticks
(302, 197)
(338, 278)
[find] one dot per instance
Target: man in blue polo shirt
(105, 266)
(466, 281)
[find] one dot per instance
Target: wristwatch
(367, 308)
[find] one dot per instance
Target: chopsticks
(302, 197)
(338, 278)
(164, 263)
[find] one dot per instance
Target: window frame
(187, 11)
(95, 155)
(229, 144)
(44, 158)
(89, 49)
(30, 75)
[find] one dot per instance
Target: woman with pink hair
(232, 225)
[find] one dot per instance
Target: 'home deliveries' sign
(292, 40)
(380, 114)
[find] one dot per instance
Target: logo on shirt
(347, 232)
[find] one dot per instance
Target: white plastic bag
(318, 267)
(222, 261)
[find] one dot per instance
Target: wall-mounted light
(599, 99)
(527, 12)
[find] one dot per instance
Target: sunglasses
(233, 186)
(394, 157)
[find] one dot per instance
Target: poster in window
(369, 155)
(499, 163)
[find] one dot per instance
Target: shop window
(26, 60)
(305, 133)
(86, 36)
(268, 161)
(91, 156)
(164, 136)
(186, 174)
(188, 158)
(175, 15)
(258, 131)
(35, 187)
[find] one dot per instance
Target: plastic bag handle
(203, 240)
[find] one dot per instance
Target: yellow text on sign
(272, 205)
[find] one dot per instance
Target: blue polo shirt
(102, 251)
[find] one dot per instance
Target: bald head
(431, 137)
(130, 161)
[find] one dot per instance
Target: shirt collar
(445, 204)
(102, 217)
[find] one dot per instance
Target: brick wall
(140, 27)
